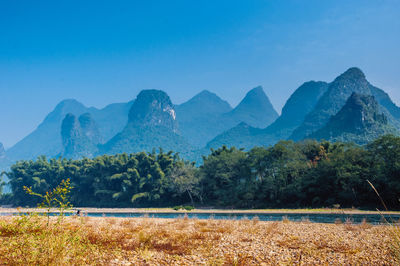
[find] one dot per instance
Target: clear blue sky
(100, 52)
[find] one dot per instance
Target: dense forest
(288, 174)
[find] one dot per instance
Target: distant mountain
(80, 137)
(206, 115)
(240, 136)
(4, 163)
(360, 121)
(2, 151)
(46, 140)
(89, 128)
(206, 121)
(199, 118)
(255, 110)
(353, 80)
(204, 103)
(151, 125)
(300, 103)
(111, 119)
(390, 109)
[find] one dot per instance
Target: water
(314, 217)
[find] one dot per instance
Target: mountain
(255, 110)
(199, 118)
(89, 128)
(205, 121)
(46, 140)
(153, 108)
(240, 136)
(151, 125)
(300, 103)
(204, 103)
(360, 121)
(80, 136)
(206, 115)
(4, 163)
(391, 110)
(2, 151)
(111, 119)
(353, 80)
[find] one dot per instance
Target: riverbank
(207, 210)
(143, 241)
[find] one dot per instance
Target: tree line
(288, 174)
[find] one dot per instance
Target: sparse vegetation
(82, 240)
(394, 227)
(56, 198)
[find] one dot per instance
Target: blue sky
(100, 52)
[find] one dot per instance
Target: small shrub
(188, 208)
(56, 198)
(177, 208)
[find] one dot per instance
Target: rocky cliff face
(152, 124)
(153, 108)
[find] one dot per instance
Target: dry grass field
(146, 241)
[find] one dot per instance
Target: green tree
(221, 173)
(185, 179)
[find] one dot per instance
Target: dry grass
(146, 241)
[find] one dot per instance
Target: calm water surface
(314, 217)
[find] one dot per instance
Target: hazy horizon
(100, 53)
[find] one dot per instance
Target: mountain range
(300, 103)
(46, 138)
(205, 116)
(353, 80)
(347, 109)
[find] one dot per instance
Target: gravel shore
(148, 241)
